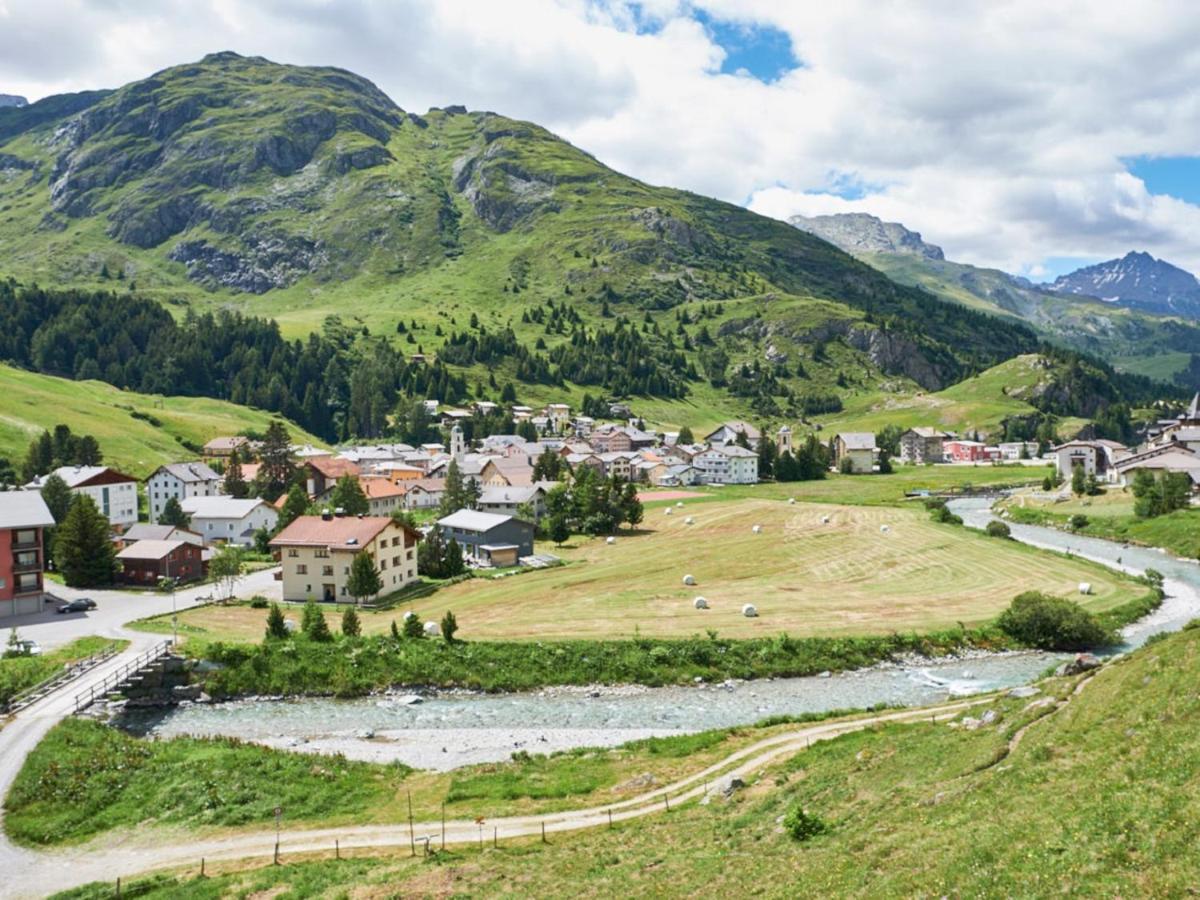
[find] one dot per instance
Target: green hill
(299, 193)
(137, 432)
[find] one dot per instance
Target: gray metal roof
(24, 509)
(473, 520)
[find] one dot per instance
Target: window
(293, 552)
(322, 553)
(301, 569)
(382, 565)
(409, 555)
(327, 571)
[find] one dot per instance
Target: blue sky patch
(1177, 176)
(1061, 265)
(761, 51)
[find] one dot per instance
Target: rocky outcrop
(267, 261)
(863, 233)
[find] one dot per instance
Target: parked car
(83, 604)
(29, 648)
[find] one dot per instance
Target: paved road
(116, 608)
(25, 873)
(34, 874)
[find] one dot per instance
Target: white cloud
(996, 129)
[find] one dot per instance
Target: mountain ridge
(1139, 281)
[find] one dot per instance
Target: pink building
(965, 451)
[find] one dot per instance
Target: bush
(1052, 623)
(259, 602)
(802, 825)
(942, 515)
(998, 529)
(1078, 521)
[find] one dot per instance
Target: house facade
(145, 562)
(114, 493)
(23, 518)
(859, 448)
(966, 451)
(316, 552)
(727, 464)
(229, 520)
(181, 481)
(1097, 458)
(506, 501)
(922, 445)
(488, 539)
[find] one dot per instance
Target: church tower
(784, 439)
(457, 445)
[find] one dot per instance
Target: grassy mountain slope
(134, 444)
(1133, 341)
(303, 192)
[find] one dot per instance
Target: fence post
(667, 802)
(495, 838)
(276, 859)
(443, 826)
(412, 838)
(544, 841)
(202, 867)
(337, 848)
(610, 818)
(118, 888)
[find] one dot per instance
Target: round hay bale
(824, 520)
(700, 603)
(668, 510)
(750, 611)
(408, 615)
(689, 521)
(679, 503)
(689, 580)
(791, 500)
(610, 540)
(432, 629)
(757, 529)
(1085, 587)
(884, 529)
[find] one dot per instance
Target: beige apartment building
(315, 553)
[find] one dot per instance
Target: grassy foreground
(911, 810)
(23, 672)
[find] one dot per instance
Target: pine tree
(57, 497)
(348, 496)
(632, 510)
(454, 495)
(364, 580)
(87, 451)
(276, 625)
(395, 631)
(235, 484)
(559, 529)
(314, 625)
(83, 549)
(1078, 480)
(431, 554)
(172, 514)
(351, 627)
(452, 562)
(449, 627)
(685, 436)
(294, 506)
(39, 459)
(413, 627)
(277, 463)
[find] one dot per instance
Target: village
(489, 498)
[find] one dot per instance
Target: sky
(1018, 134)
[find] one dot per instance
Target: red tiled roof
(335, 533)
(333, 467)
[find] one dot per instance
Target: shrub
(1078, 522)
(942, 515)
(413, 627)
(998, 529)
(1052, 623)
(259, 602)
(802, 825)
(449, 627)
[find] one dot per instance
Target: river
(448, 730)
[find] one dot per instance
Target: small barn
(488, 539)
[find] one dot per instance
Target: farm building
(145, 562)
(489, 539)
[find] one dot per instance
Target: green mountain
(301, 194)
(1135, 341)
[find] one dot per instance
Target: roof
(189, 472)
(927, 431)
(751, 432)
(473, 520)
(509, 494)
(1173, 460)
(336, 533)
(150, 549)
(24, 509)
(857, 440)
(332, 466)
(143, 531)
(379, 488)
(82, 476)
(220, 507)
(225, 444)
(429, 485)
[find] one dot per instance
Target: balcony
(35, 544)
(29, 565)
